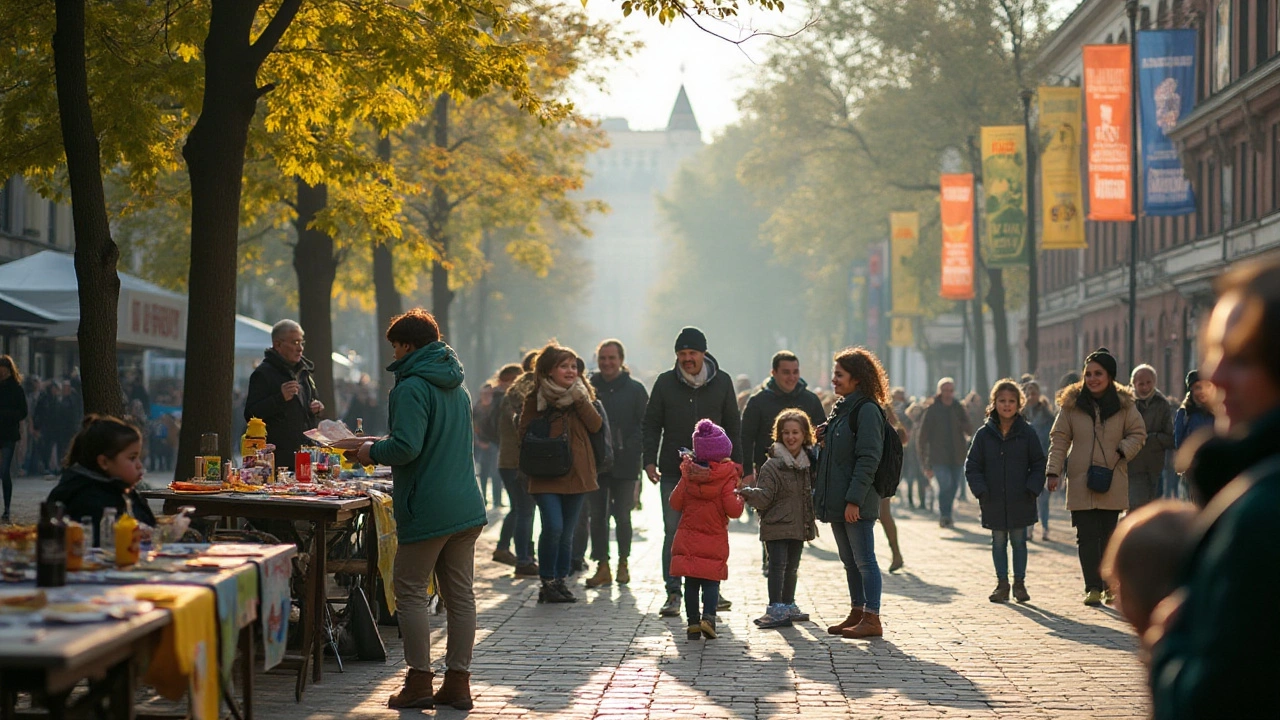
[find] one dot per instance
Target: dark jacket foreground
(1218, 657)
(675, 408)
(763, 409)
(1006, 474)
(286, 420)
(87, 493)
(13, 410)
(624, 401)
(847, 462)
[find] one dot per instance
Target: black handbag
(1099, 477)
(542, 455)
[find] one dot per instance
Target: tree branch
(270, 36)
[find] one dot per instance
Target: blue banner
(1167, 92)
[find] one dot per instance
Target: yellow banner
(1062, 199)
(904, 234)
(902, 333)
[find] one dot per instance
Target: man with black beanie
(695, 389)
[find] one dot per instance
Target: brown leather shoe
(416, 692)
(456, 690)
(602, 578)
(624, 573)
(855, 616)
(868, 627)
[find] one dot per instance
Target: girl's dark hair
(100, 435)
(865, 367)
(806, 426)
(416, 327)
(1005, 385)
(7, 362)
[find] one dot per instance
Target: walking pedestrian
(501, 382)
(561, 402)
(1147, 467)
(282, 392)
(783, 495)
(13, 410)
(517, 526)
(942, 446)
(1215, 651)
(1195, 416)
(1097, 430)
(438, 508)
(912, 470)
(844, 488)
(706, 497)
(1005, 471)
(887, 522)
(485, 418)
(1039, 416)
(624, 401)
(697, 388)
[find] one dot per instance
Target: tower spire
(682, 117)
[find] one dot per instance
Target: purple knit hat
(710, 443)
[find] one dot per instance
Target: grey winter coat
(783, 494)
(675, 407)
(1157, 414)
(847, 462)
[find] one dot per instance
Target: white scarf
(696, 381)
(799, 462)
(550, 393)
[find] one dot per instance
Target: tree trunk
(387, 300)
(438, 225)
(317, 268)
(96, 254)
(1000, 320)
(214, 153)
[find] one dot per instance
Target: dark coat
(848, 461)
(1006, 474)
(1217, 656)
(1157, 413)
(624, 401)
(763, 408)
(936, 433)
(675, 407)
(1041, 419)
(45, 416)
(286, 420)
(13, 410)
(84, 492)
(1189, 419)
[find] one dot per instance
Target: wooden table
(110, 654)
(319, 511)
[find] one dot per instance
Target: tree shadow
(1078, 632)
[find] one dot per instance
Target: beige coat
(1072, 449)
(582, 420)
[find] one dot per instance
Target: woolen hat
(1193, 377)
(691, 338)
(710, 443)
(1103, 357)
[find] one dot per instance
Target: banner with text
(904, 238)
(957, 237)
(1166, 92)
(1108, 105)
(1004, 176)
(1062, 200)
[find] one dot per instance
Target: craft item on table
(384, 522)
(336, 434)
(182, 487)
(21, 600)
(186, 659)
(236, 550)
(179, 550)
(274, 575)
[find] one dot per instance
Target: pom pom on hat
(710, 443)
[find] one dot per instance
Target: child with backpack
(706, 497)
(783, 495)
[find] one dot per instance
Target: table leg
(319, 600)
(246, 669)
(8, 701)
(123, 679)
(308, 624)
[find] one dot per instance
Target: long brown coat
(1072, 449)
(582, 420)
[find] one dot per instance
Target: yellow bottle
(128, 537)
(254, 439)
(75, 545)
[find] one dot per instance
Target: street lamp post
(1033, 279)
(1131, 7)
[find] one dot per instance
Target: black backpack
(602, 441)
(889, 472)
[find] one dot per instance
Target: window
(1162, 14)
(1227, 195)
(1222, 45)
(1262, 31)
(1144, 18)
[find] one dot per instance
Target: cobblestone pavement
(947, 651)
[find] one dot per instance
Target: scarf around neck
(696, 381)
(551, 394)
(784, 456)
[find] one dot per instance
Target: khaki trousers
(452, 559)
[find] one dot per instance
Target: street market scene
(639, 358)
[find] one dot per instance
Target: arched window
(1144, 18)
(1162, 14)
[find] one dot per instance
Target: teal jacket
(429, 447)
(848, 461)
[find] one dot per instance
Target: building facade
(1229, 144)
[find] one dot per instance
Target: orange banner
(1108, 108)
(957, 237)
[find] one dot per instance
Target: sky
(643, 87)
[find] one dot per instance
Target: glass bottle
(51, 547)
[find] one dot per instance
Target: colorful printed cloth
(186, 660)
(388, 544)
(273, 576)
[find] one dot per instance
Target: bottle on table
(254, 439)
(107, 532)
(51, 547)
(76, 544)
(360, 427)
(212, 457)
(128, 537)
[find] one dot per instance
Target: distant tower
(627, 252)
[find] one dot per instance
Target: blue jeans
(1000, 552)
(670, 521)
(1042, 508)
(710, 598)
(950, 478)
(517, 526)
(555, 545)
(857, 545)
(6, 471)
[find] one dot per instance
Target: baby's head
(710, 443)
(1145, 555)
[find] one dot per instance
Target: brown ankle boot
(602, 577)
(1001, 593)
(456, 690)
(868, 627)
(624, 573)
(416, 692)
(855, 616)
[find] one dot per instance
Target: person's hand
(652, 471)
(852, 513)
(290, 390)
(747, 480)
(579, 392)
(1052, 482)
(362, 455)
(820, 432)
(317, 407)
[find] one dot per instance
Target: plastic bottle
(128, 537)
(75, 545)
(107, 532)
(51, 547)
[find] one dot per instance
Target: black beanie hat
(1103, 357)
(1193, 377)
(691, 338)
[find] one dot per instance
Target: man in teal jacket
(438, 507)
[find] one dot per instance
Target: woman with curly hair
(844, 489)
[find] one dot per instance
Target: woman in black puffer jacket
(13, 410)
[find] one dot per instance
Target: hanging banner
(957, 237)
(1004, 176)
(1167, 92)
(1108, 105)
(904, 238)
(1062, 200)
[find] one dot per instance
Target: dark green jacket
(429, 447)
(847, 463)
(675, 407)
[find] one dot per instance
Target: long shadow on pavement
(1075, 631)
(908, 584)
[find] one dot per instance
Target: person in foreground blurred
(1144, 559)
(1217, 652)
